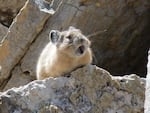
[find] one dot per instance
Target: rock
(18, 79)
(88, 90)
(23, 31)
(9, 10)
(3, 31)
(147, 93)
(0, 70)
(120, 50)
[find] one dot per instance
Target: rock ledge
(88, 90)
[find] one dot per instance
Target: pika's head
(71, 42)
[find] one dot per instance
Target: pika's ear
(71, 28)
(54, 36)
(74, 29)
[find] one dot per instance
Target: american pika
(66, 51)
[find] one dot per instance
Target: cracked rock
(22, 32)
(88, 90)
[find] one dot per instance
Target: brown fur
(71, 50)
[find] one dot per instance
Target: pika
(66, 51)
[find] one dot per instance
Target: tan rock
(18, 79)
(4, 52)
(9, 10)
(3, 31)
(26, 26)
(88, 90)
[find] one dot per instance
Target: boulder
(147, 92)
(120, 43)
(87, 90)
(21, 34)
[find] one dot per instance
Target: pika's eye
(69, 37)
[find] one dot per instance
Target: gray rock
(120, 50)
(88, 90)
(23, 31)
(127, 24)
(147, 93)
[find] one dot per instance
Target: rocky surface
(3, 31)
(18, 78)
(88, 90)
(147, 93)
(9, 9)
(25, 27)
(120, 50)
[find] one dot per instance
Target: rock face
(25, 27)
(88, 90)
(3, 31)
(120, 50)
(147, 93)
(9, 9)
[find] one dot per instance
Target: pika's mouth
(80, 50)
